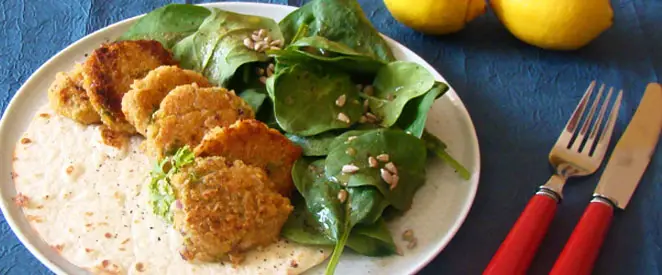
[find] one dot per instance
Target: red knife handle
(518, 249)
(581, 250)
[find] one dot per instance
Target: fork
(577, 152)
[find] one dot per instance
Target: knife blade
(617, 184)
(633, 150)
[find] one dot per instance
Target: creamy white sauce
(88, 200)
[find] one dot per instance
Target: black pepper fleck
(159, 238)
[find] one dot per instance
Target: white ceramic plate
(439, 208)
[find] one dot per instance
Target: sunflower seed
(371, 117)
(363, 119)
(341, 100)
(366, 105)
(271, 66)
(383, 157)
(267, 40)
(255, 37)
(372, 161)
(258, 46)
(343, 117)
(394, 181)
(349, 168)
(262, 33)
(342, 195)
(369, 90)
(277, 43)
(274, 48)
(408, 235)
(248, 43)
(391, 168)
(386, 176)
(263, 79)
(350, 138)
(350, 151)
(390, 97)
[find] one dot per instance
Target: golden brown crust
(112, 138)
(69, 99)
(110, 70)
(255, 144)
(227, 208)
(188, 112)
(146, 94)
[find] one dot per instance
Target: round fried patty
(146, 94)
(227, 208)
(68, 97)
(255, 144)
(111, 69)
(188, 112)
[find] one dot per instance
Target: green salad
(325, 78)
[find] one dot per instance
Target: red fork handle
(518, 249)
(583, 247)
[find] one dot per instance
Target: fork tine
(601, 115)
(605, 137)
(591, 112)
(577, 115)
(578, 144)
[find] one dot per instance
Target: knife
(616, 186)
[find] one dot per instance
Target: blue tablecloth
(518, 96)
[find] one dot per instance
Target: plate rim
(22, 93)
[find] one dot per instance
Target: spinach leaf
(168, 24)
(373, 240)
(217, 49)
(407, 153)
(321, 196)
(320, 49)
(395, 85)
(254, 97)
(342, 21)
(301, 227)
(317, 145)
(305, 100)
(370, 240)
(415, 113)
(366, 204)
(344, 137)
(436, 146)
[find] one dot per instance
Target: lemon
(555, 24)
(435, 16)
